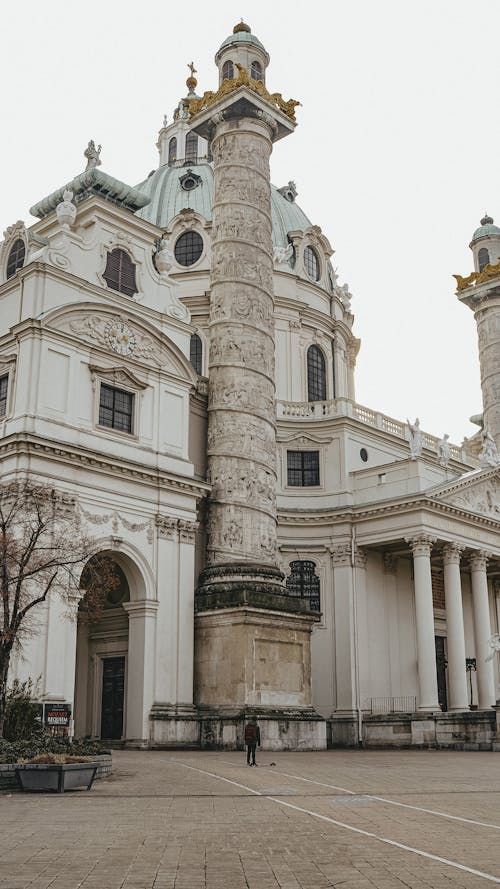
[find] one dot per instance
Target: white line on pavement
(366, 833)
(392, 802)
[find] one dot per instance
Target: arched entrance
(102, 662)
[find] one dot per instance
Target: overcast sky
(395, 155)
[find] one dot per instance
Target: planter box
(57, 778)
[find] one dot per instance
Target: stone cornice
(27, 444)
(362, 513)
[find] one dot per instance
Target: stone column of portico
(421, 546)
(482, 630)
(457, 676)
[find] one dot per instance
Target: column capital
(343, 554)
(421, 544)
(452, 553)
(478, 559)
(144, 608)
(187, 531)
(167, 526)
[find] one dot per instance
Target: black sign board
(57, 715)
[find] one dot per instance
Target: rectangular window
(116, 408)
(4, 385)
(303, 468)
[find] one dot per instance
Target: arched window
(120, 272)
(311, 263)
(196, 353)
(483, 258)
(172, 150)
(228, 70)
(256, 71)
(188, 248)
(316, 374)
(303, 583)
(191, 146)
(16, 257)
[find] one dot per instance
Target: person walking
(252, 738)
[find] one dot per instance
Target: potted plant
(56, 772)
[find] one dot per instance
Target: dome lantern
(485, 243)
(245, 49)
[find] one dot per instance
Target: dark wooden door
(441, 664)
(113, 691)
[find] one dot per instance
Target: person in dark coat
(252, 738)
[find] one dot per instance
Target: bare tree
(43, 549)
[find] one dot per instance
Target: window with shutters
(303, 583)
(196, 353)
(227, 70)
(191, 146)
(316, 374)
(120, 272)
(4, 388)
(172, 150)
(483, 258)
(116, 408)
(16, 258)
(302, 469)
(256, 71)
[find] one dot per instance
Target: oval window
(188, 248)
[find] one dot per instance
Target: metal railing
(401, 704)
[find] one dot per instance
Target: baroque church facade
(179, 356)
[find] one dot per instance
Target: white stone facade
(262, 450)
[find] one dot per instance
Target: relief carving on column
(249, 226)
(242, 262)
(421, 544)
(241, 395)
(254, 441)
(239, 346)
(452, 553)
(231, 480)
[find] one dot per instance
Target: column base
(261, 586)
(280, 729)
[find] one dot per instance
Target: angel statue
(282, 254)
(416, 439)
(93, 155)
(494, 643)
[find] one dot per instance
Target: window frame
(191, 141)
(300, 576)
(313, 348)
(190, 231)
(302, 469)
(254, 63)
(226, 63)
(117, 389)
(315, 253)
(13, 244)
(480, 263)
(117, 378)
(4, 375)
(196, 338)
(172, 150)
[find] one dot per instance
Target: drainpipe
(356, 640)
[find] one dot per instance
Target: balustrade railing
(343, 407)
(401, 704)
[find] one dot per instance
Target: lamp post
(470, 665)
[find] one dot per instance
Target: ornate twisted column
(457, 676)
(482, 629)
(421, 546)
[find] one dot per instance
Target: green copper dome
(167, 197)
(241, 37)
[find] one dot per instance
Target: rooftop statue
(489, 453)
(416, 439)
(443, 451)
(93, 155)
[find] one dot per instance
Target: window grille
(196, 353)
(120, 272)
(303, 583)
(116, 408)
(16, 257)
(303, 469)
(483, 258)
(311, 263)
(228, 70)
(256, 71)
(191, 146)
(188, 248)
(316, 374)
(4, 385)
(172, 150)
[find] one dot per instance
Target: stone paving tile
(157, 824)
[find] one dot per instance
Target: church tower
(252, 641)
(481, 292)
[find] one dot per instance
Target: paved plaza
(187, 820)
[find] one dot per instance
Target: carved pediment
(479, 494)
(303, 440)
(120, 336)
(117, 376)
